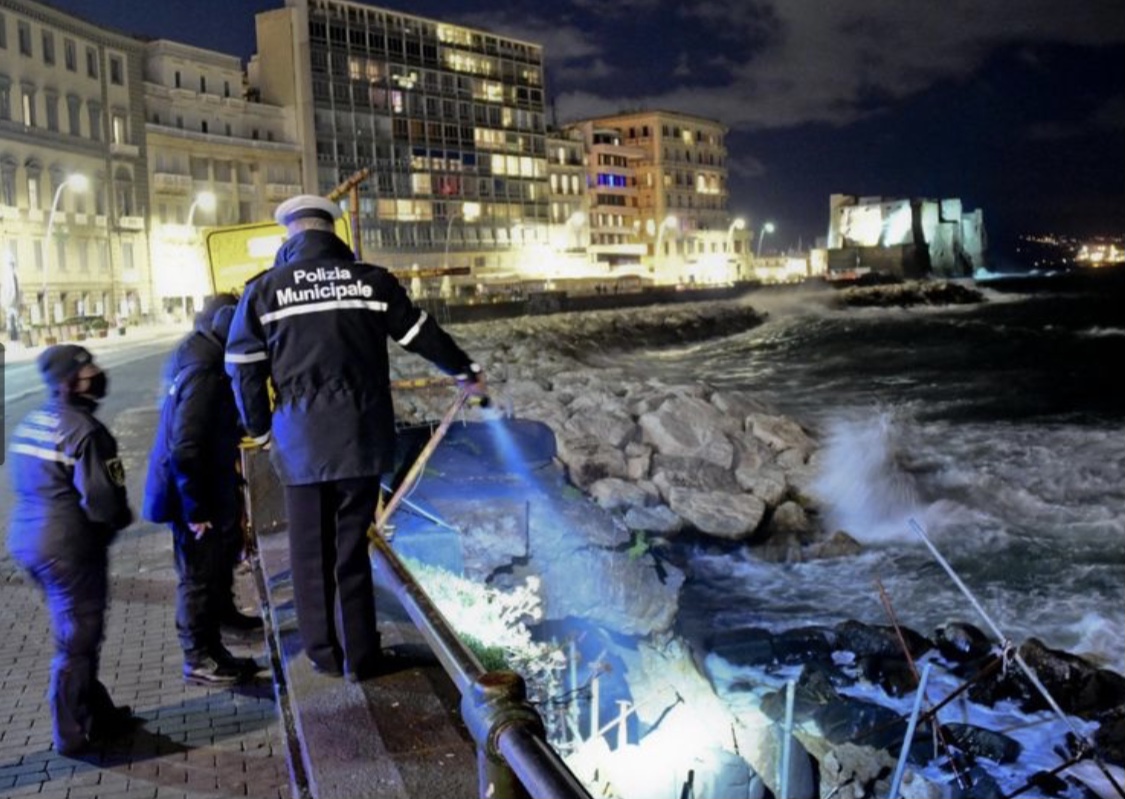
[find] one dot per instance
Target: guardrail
(513, 757)
(514, 760)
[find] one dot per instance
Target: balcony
(281, 191)
(131, 223)
(124, 150)
(171, 183)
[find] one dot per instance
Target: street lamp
(79, 183)
(670, 221)
(575, 222)
(766, 228)
(205, 200)
(737, 224)
(469, 213)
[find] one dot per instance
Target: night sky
(1016, 107)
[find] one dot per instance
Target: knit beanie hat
(61, 363)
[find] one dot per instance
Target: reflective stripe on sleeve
(413, 332)
(248, 357)
(320, 307)
(37, 434)
(43, 453)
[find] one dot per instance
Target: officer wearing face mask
(69, 489)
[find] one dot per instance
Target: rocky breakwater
(657, 463)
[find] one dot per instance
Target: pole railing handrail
(514, 759)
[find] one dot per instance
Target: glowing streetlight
(766, 228)
(205, 200)
(670, 221)
(470, 212)
(80, 183)
(575, 222)
(737, 224)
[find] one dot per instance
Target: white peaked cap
(306, 205)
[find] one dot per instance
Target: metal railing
(514, 759)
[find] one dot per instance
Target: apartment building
(566, 177)
(451, 118)
(217, 155)
(675, 168)
(73, 182)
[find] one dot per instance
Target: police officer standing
(70, 501)
(316, 324)
(193, 485)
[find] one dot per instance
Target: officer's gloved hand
(256, 442)
(474, 384)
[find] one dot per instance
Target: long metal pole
(787, 744)
(47, 247)
(420, 462)
(911, 725)
(1016, 656)
(448, 232)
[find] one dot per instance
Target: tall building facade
(216, 156)
(73, 181)
(450, 118)
(675, 170)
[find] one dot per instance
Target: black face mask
(99, 386)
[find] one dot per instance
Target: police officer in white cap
(316, 325)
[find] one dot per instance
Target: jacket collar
(313, 245)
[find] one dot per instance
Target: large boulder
(689, 427)
(731, 516)
(626, 595)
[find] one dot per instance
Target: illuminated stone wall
(910, 237)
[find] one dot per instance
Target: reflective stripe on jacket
(316, 325)
(68, 484)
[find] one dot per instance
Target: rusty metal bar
(419, 463)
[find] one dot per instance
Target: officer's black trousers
(76, 593)
(203, 593)
(332, 585)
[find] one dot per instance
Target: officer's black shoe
(327, 669)
(75, 748)
(236, 622)
(209, 671)
(116, 723)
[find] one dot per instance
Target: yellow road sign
(238, 252)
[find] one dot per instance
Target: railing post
(497, 700)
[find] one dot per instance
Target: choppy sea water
(998, 427)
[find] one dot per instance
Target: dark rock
(749, 646)
(857, 721)
(804, 644)
(1047, 783)
(814, 692)
(960, 642)
(979, 742)
(892, 674)
(1077, 685)
(1110, 736)
(982, 785)
(870, 639)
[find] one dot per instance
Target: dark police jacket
(317, 325)
(68, 482)
(191, 469)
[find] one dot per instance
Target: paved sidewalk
(16, 352)
(196, 742)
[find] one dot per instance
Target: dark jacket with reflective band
(317, 324)
(68, 482)
(191, 469)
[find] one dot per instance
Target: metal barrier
(513, 757)
(514, 760)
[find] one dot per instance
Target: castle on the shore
(911, 238)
